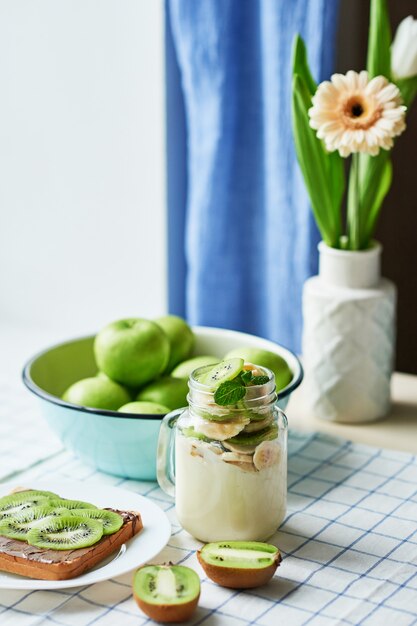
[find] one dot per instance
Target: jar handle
(165, 456)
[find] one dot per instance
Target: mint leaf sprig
(248, 378)
(259, 380)
(231, 391)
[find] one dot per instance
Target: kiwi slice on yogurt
(222, 372)
(257, 425)
(166, 593)
(239, 564)
(255, 438)
(190, 431)
(65, 532)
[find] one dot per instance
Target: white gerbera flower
(404, 49)
(354, 114)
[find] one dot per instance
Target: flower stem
(353, 215)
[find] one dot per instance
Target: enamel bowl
(121, 443)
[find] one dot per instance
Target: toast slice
(18, 557)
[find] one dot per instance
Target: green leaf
(229, 392)
(375, 176)
(336, 181)
(408, 88)
(354, 205)
(379, 40)
(336, 175)
(246, 377)
(300, 65)
(315, 165)
(260, 380)
(376, 187)
(301, 68)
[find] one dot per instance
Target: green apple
(132, 351)
(131, 390)
(265, 358)
(97, 393)
(181, 339)
(168, 391)
(102, 375)
(145, 408)
(184, 369)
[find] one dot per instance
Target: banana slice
(268, 453)
(221, 430)
(246, 467)
(198, 449)
(255, 370)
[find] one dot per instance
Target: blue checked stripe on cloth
(349, 543)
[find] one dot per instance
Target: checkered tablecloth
(349, 543)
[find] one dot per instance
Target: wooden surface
(397, 431)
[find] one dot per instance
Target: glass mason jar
(227, 466)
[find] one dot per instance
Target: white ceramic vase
(348, 336)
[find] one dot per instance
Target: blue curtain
(250, 240)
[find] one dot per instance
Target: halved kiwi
(111, 521)
(239, 564)
(11, 504)
(18, 525)
(66, 532)
(166, 593)
(70, 504)
(223, 371)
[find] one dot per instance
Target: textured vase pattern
(348, 349)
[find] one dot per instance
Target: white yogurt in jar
(218, 499)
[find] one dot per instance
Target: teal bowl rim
(44, 395)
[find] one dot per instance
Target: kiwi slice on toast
(239, 564)
(111, 521)
(29, 493)
(166, 593)
(65, 532)
(18, 525)
(70, 504)
(222, 372)
(11, 504)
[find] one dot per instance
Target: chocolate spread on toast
(21, 552)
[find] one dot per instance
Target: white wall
(82, 165)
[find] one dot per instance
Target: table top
(397, 431)
(349, 540)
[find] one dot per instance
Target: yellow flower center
(357, 113)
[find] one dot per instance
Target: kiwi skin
(239, 578)
(167, 613)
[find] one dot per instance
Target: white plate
(139, 550)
